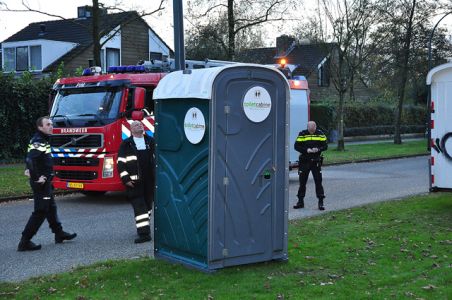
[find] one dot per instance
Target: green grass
(13, 181)
(391, 250)
(354, 153)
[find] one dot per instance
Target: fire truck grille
(76, 161)
(76, 175)
(76, 140)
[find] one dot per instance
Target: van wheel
(93, 193)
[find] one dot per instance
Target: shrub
(369, 118)
(23, 99)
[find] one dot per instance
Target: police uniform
(310, 162)
(138, 165)
(39, 163)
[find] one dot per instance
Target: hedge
(369, 119)
(22, 100)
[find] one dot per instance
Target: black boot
(63, 235)
(300, 204)
(27, 245)
(142, 238)
(321, 207)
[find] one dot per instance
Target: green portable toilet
(222, 166)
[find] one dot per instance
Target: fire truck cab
(91, 116)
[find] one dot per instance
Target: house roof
(306, 56)
(77, 30)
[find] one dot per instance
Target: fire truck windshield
(85, 107)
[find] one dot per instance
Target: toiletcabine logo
(194, 125)
(257, 104)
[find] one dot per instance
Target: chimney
(42, 26)
(87, 11)
(84, 11)
(283, 43)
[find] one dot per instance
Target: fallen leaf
(429, 287)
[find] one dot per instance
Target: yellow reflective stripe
(311, 138)
(41, 149)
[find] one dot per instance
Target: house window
(10, 59)
(323, 73)
(35, 58)
(112, 57)
(155, 56)
(21, 58)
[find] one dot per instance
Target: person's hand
(130, 184)
(315, 150)
(309, 150)
(42, 179)
(27, 172)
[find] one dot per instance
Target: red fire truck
(92, 115)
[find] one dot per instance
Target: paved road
(106, 229)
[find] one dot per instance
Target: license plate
(75, 185)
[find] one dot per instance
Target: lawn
(390, 250)
(13, 182)
(363, 152)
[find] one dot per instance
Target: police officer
(310, 143)
(136, 166)
(39, 169)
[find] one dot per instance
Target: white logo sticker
(194, 125)
(257, 104)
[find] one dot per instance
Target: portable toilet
(299, 114)
(440, 81)
(221, 166)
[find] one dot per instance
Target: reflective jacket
(128, 165)
(39, 159)
(306, 140)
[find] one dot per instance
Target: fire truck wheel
(443, 145)
(93, 193)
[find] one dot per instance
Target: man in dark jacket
(39, 168)
(310, 143)
(136, 166)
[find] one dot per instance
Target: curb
(30, 196)
(376, 159)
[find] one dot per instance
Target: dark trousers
(304, 167)
(141, 198)
(44, 208)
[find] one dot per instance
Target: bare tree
(241, 15)
(400, 65)
(348, 25)
(97, 32)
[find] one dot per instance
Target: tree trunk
(96, 37)
(340, 122)
(231, 31)
(403, 75)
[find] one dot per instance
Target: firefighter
(136, 167)
(310, 143)
(39, 169)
